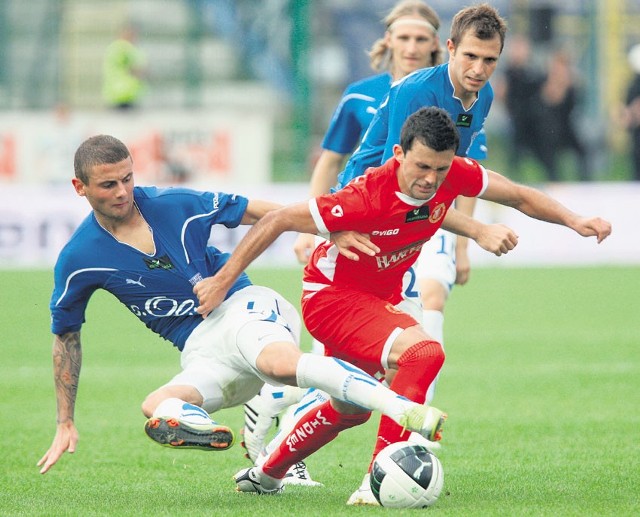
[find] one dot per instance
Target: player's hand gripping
(65, 440)
(497, 238)
(210, 292)
(346, 240)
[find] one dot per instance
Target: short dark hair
(98, 150)
(431, 126)
(483, 19)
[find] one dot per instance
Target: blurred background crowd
(160, 72)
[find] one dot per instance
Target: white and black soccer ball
(406, 475)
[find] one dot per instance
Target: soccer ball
(406, 475)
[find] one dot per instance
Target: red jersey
(398, 224)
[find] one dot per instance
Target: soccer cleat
(172, 432)
(425, 420)
(248, 480)
(260, 414)
(255, 430)
(417, 438)
(258, 419)
(363, 496)
(299, 475)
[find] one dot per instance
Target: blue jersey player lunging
(148, 247)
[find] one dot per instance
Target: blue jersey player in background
(410, 42)
(149, 248)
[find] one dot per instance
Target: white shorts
(437, 259)
(219, 357)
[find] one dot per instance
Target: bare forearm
(540, 206)
(256, 209)
(258, 238)
(460, 224)
(211, 291)
(465, 205)
(529, 201)
(67, 360)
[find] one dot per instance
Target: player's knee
(433, 295)
(424, 352)
(279, 362)
(149, 405)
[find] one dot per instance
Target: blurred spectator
(554, 108)
(122, 71)
(521, 86)
(632, 110)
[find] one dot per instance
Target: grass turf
(541, 383)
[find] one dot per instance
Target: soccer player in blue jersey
(148, 247)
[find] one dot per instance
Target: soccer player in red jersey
(349, 304)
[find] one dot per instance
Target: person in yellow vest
(123, 65)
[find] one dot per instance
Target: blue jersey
(157, 288)
(354, 113)
(424, 87)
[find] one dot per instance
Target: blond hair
(380, 54)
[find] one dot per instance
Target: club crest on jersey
(438, 213)
(464, 120)
(163, 262)
(337, 211)
(417, 214)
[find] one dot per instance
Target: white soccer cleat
(261, 413)
(252, 480)
(299, 475)
(363, 496)
(257, 424)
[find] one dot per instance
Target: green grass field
(541, 383)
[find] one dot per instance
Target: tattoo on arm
(67, 359)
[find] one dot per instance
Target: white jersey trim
(386, 349)
(317, 218)
(485, 180)
(66, 285)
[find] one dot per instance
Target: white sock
(267, 481)
(177, 408)
(277, 398)
(433, 323)
(346, 382)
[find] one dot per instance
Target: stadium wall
(36, 221)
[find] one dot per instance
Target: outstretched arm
(539, 205)
(67, 359)
(212, 290)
